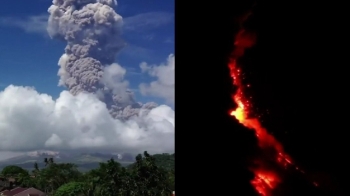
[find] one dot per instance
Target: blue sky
(28, 57)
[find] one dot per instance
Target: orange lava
(265, 180)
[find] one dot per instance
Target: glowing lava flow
(265, 179)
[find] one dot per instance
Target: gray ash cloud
(92, 30)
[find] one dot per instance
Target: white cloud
(31, 121)
(113, 78)
(31, 24)
(147, 21)
(164, 86)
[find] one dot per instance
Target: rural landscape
(147, 175)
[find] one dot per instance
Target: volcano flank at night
(266, 178)
(272, 165)
(279, 96)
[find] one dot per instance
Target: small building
(19, 191)
(4, 182)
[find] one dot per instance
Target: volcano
(288, 95)
(275, 172)
(266, 175)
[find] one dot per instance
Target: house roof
(18, 190)
(14, 191)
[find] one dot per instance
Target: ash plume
(92, 30)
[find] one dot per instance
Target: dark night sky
(297, 71)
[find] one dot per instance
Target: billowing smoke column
(273, 157)
(92, 30)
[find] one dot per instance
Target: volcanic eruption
(272, 158)
(92, 30)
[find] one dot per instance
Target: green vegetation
(150, 175)
(13, 170)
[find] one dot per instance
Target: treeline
(150, 175)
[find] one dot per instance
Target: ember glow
(266, 178)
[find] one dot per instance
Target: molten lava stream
(265, 180)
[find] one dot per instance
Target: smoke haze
(92, 30)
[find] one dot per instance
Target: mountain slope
(85, 161)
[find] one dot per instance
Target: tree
(13, 171)
(55, 175)
(25, 180)
(110, 178)
(166, 161)
(72, 189)
(150, 179)
(91, 180)
(48, 161)
(148, 176)
(36, 170)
